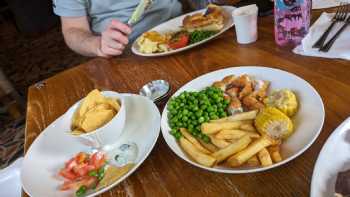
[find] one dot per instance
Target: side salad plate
(50, 154)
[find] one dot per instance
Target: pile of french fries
(234, 142)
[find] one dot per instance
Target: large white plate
(53, 147)
(175, 24)
(308, 121)
(333, 158)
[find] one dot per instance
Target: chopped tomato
(83, 169)
(76, 170)
(67, 174)
(87, 181)
(179, 41)
(81, 157)
(98, 159)
(71, 164)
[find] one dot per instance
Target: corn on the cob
(274, 123)
(284, 100)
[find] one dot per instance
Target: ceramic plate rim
(337, 131)
(253, 170)
(122, 178)
(135, 51)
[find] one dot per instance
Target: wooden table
(165, 174)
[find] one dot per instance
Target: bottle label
(291, 20)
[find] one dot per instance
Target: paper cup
(245, 19)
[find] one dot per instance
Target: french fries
(264, 157)
(235, 134)
(209, 146)
(195, 154)
(250, 115)
(256, 146)
(212, 128)
(253, 161)
(233, 148)
(275, 153)
(193, 140)
(247, 127)
(218, 142)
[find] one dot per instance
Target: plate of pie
(184, 32)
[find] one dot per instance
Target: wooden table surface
(165, 174)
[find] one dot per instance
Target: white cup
(105, 137)
(245, 19)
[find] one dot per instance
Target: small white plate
(333, 158)
(308, 121)
(10, 182)
(175, 24)
(53, 147)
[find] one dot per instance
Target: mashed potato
(153, 42)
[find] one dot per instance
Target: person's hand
(114, 39)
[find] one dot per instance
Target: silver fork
(329, 44)
(339, 16)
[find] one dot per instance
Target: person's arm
(79, 38)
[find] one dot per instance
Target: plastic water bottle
(292, 21)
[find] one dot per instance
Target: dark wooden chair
(10, 101)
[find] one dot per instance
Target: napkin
(319, 4)
(340, 48)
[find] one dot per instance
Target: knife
(139, 11)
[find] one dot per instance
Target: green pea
(199, 113)
(226, 102)
(223, 114)
(206, 139)
(173, 131)
(172, 125)
(201, 119)
(210, 109)
(170, 107)
(215, 117)
(194, 122)
(178, 135)
(185, 112)
(81, 191)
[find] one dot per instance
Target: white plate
(54, 146)
(308, 121)
(333, 158)
(174, 25)
(10, 182)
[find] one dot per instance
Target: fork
(329, 44)
(339, 16)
